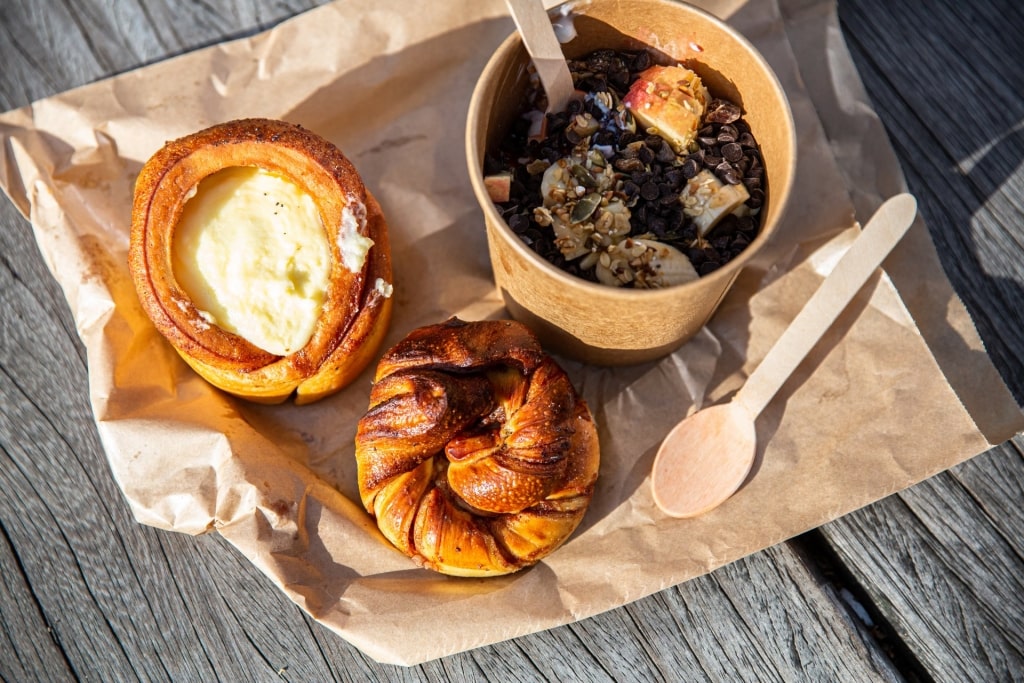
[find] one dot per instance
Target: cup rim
(730, 270)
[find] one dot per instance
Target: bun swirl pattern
(476, 456)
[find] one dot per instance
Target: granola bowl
(589, 320)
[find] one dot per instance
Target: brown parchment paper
(389, 83)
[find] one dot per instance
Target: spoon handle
(539, 37)
(882, 233)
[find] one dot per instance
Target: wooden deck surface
(923, 585)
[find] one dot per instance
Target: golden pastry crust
(476, 456)
(355, 313)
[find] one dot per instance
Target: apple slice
(499, 186)
(671, 100)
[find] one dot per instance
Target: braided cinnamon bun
(476, 456)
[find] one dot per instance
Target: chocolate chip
(745, 225)
(711, 161)
(727, 173)
(630, 151)
(721, 111)
(599, 60)
(518, 222)
(708, 267)
(596, 83)
(726, 226)
(620, 78)
(732, 152)
(641, 214)
(674, 219)
(532, 236)
(674, 177)
(641, 61)
(629, 165)
(690, 168)
(756, 198)
(649, 191)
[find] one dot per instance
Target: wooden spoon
(707, 456)
(541, 43)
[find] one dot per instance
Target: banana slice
(647, 263)
(706, 200)
(554, 184)
(577, 206)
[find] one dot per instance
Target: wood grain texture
(942, 561)
(944, 571)
(941, 79)
(52, 46)
(85, 592)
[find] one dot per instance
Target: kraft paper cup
(596, 323)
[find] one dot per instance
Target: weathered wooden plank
(959, 138)
(942, 561)
(29, 657)
(48, 47)
(946, 578)
(76, 545)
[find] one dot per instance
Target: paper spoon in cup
(544, 49)
(707, 456)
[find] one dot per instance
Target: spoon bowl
(698, 478)
(707, 456)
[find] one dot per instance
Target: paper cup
(596, 323)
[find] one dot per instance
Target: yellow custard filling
(252, 253)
